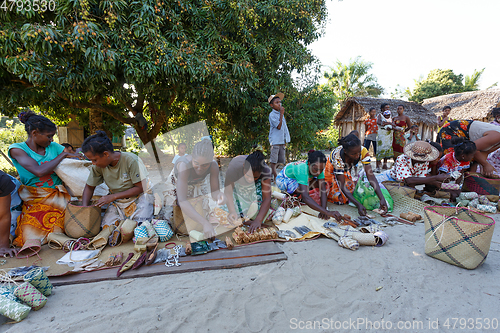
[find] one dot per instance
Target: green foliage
(442, 82)
(352, 79)
(471, 82)
(9, 134)
(174, 61)
(438, 82)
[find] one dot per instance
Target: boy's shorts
(277, 154)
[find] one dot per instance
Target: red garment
(449, 163)
(371, 126)
(399, 140)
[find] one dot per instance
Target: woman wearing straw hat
(412, 167)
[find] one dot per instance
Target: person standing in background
(371, 130)
(278, 132)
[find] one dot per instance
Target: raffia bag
(399, 188)
(82, 221)
(458, 236)
(475, 182)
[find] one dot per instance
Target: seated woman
(7, 189)
(248, 179)
(412, 168)
(338, 173)
(186, 199)
(303, 177)
(485, 136)
(43, 195)
(124, 174)
(458, 161)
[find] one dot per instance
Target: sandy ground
(319, 282)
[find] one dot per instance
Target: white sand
(319, 282)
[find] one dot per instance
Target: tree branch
(98, 107)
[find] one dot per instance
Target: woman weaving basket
(248, 180)
(124, 174)
(42, 192)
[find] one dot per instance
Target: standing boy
(278, 132)
(371, 130)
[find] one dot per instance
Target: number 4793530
(28, 5)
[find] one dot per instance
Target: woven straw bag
(82, 221)
(475, 182)
(458, 236)
(398, 188)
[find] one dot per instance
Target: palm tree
(471, 83)
(352, 79)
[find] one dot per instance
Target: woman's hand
(105, 200)
(361, 210)
(7, 252)
(439, 179)
(335, 214)
(78, 156)
(488, 170)
(253, 225)
(208, 231)
(221, 199)
(384, 207)
(232, 217)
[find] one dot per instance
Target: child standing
(182, 151)
(278, 132)
(412, 135)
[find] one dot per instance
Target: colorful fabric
(27, 178)
(339, 166)
(285, 183)
(449, 163)
(384, 144)
(371, 126)
(399, 141)
(243, 196)
(440, 118)
(43, 213)
(300, 172)
(128, 171)
(139, 209)
(404, 168)
(336, 194)
(453, 129)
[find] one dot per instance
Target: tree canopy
(442, 82)
(175, 62)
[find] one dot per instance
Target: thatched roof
(468, 105)
(415, 111)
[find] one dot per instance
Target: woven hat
(280, 95)
(421, 151)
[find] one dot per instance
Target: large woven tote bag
(82, 221)
(458, 236)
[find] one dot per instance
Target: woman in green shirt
(303, 177)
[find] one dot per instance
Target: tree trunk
(95, 121)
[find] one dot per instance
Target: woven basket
(399, 188)
(82, 221)
(474, 182)
(458, 236)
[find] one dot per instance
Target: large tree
(352, 79)
(171, 61)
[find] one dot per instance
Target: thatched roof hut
(355, 112)
(474, 105)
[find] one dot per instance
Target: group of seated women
(193, 184)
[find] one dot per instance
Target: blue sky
(406, 39)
